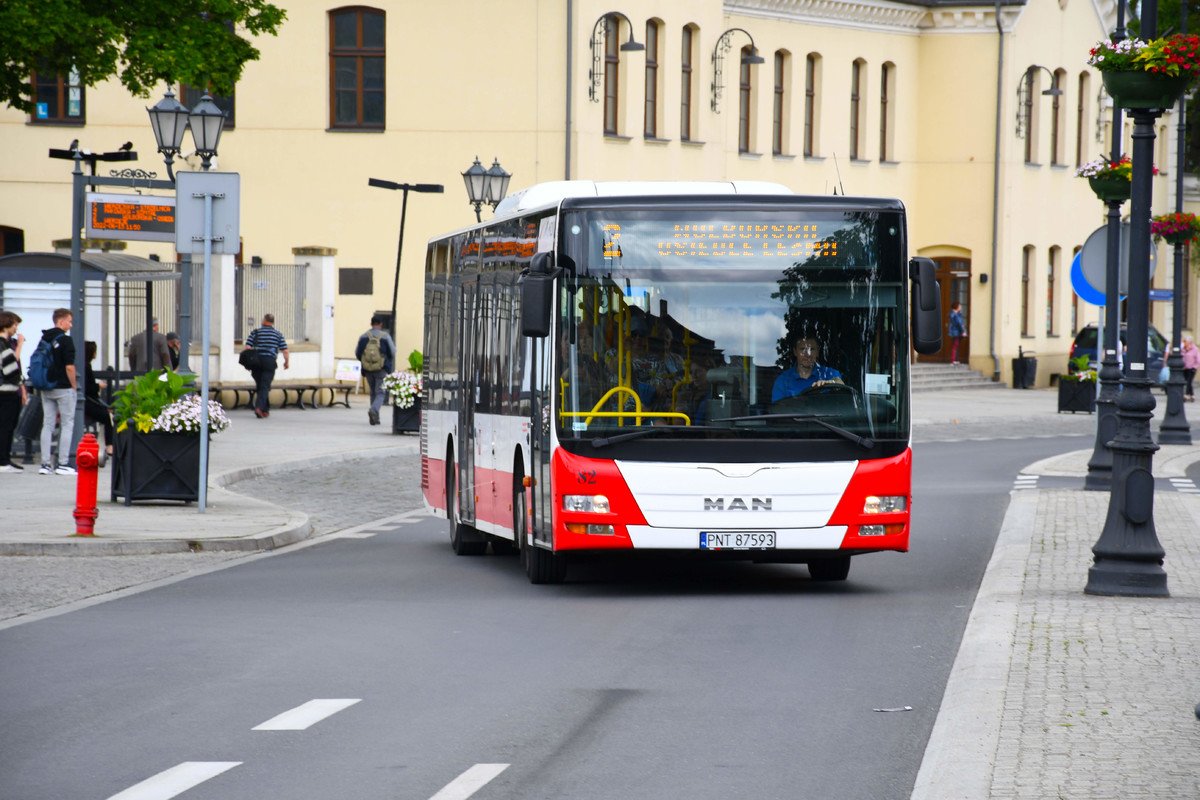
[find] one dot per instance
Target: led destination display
(121, 216)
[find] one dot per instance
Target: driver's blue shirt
(789, 383)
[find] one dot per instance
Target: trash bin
(1024, 370)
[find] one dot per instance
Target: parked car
(1085, 345)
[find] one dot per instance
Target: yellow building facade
(930, 103)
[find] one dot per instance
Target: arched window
(1052, 288)
(687, 85)
(779, 108)
(857, 90)
(12, 240)
(745, 100)
(357, 54)
(887, 111)
(1026, 280)
(1058, 118)
(612, 74)
(1075, 298)
(812, 111)
(651, 126)
(1081, 117)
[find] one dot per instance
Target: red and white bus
(630, 366)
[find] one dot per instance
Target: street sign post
(209, 206)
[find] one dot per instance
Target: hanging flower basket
(1145, 90)
(1148, 75)
(1111, 188)
(1175, 229)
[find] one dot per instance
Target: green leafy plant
(143, 399)
(416, 361)
(1080, 370)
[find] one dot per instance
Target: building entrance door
(954, 278)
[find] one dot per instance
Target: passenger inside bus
(806, 374)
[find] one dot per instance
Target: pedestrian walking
(58, 404)
(173, 345)
(12, 389)
(957, 329)
(267, 343)
(144, 356)
(377, 353)
(1191, 360)
(95, 410)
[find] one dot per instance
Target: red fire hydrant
(87, 465)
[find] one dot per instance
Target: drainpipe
(996, 189)
(570, 60)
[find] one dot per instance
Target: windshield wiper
(862, 441)
(605, 441)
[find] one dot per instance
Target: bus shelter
(122, 295)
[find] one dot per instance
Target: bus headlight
(595, 504)
(884, 505)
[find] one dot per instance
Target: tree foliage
(143, 42)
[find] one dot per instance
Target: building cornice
(883, 15)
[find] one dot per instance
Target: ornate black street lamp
(1100, 465)
(168, 120)
(596, 43)
(206, 121)
(724, 45)
(1174, 428)
(1128, 556)
(486, 185)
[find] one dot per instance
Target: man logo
(737, 504)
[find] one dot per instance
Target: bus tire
(835, 568)
(541, 566)
(463, 539)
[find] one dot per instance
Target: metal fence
(279, 289)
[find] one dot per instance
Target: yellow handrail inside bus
(622, 414)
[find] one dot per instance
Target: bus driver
(806, 374)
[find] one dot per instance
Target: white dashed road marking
(175, 781)
(305, 716)
(469, 782)
(1025, 482)
(1184, 485)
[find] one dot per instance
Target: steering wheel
(828, 388)
(800, 403)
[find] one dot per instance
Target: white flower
(404, 387)
(183, 416)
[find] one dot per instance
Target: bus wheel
(461, 540)
(541, 566)
(835, 568)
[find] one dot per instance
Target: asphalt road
(646, 680)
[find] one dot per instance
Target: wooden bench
(238, 389)
(334, 389)
(293, 393)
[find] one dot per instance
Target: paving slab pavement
(38, 509)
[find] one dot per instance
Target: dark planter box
(156, 466)
(1076, 396)
(407, 420)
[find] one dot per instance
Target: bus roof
(552, 192)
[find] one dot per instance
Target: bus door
(539, 459)
(468, 381)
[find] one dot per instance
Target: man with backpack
(377, 353)
(52, 372)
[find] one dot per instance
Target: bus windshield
(775, 323)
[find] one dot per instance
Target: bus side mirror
(537, 296)
(926, 307)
